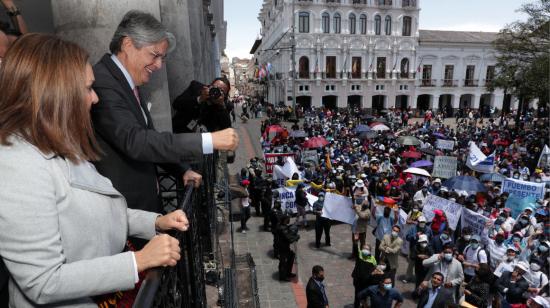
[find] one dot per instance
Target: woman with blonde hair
(63, 227)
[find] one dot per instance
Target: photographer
(202, 106)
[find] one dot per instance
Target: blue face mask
(475, 245)
(387, 286)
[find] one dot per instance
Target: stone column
(435, 102)
(92, 23)
(390, 101)
(475, 103)
(180, 63)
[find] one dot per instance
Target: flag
(477, 161)
(544, 159)
(418, 70)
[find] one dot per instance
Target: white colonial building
(371, 53)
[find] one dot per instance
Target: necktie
(136, 94)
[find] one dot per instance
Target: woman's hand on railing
(162, 250)
(177, 220)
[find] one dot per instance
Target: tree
(523, 55)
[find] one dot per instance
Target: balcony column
(475, 103)
(435, 102)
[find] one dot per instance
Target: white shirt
(207, 144)
(505, 266)
(471, 256)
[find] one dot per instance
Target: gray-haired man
(132, 147)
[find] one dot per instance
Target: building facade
(371, 54)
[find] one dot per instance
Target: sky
(243, 26)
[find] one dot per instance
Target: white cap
(422, 238)
(421, 219)
(523, 266)
(359, 183)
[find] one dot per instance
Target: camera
(214, 93)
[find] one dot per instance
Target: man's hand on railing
(176, 220)
(192, 176)
(162, 250)
(225, 140)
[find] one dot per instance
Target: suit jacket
(63, 228)
(132, 148)
(214, 117)
(391, 248)
(455, 274)
(314, 295)
(444, 298)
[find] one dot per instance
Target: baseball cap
(421, 219)
(541, 301)
(422, 238)
(523, 266)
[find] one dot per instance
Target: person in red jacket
(439, 222)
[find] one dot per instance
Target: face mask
(535, 267)
(448, 257)
(422, 225)
(475, 245)
(423, 245)
(394, 234)
(543, 249)
(499, 239)
(382, 267)
(444, 237)
(467, 237)
(510, 258)
(321, 199)
(415, 210)
(365, 252)
(387, 286)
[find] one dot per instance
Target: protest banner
(310, 156)
(451, 209)
(477, 161)
(518, 204)
(475, 221)
(444, 167)
(337, 207)
(288, 199)
(445, 144)
(271, 159)
(523, 189)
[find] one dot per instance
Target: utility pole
(293, 56)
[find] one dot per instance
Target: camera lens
(214, 92)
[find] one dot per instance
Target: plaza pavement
(258, 243)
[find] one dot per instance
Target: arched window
(404, 68)
(363, 22)
(303, 22)
(325, 22)
(303, 68)
(352, 23)
(387, 25)
(407, 26)
(377, 24)
(337, 23)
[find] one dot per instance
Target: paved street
(334, 259)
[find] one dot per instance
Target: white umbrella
(380, 127)
(418, 171)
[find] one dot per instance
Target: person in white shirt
(473, 256)
(536, 278)
(496, 249)
(508, 262)
(421, 195)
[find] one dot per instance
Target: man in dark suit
(435, 296)
(132, 148)
(315, 289)
(202, 105)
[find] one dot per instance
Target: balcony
(488, 83)
(427, 83)
(408, 4)
(333, 2)
(449, 83)
(304, 2)
(471, 82)
(306, 75)
(358, 3)
(383, 4)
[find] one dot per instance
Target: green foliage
(523, 54)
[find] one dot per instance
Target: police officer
(321, 223)
(286, 235)
(275, 215)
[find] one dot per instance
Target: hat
(541, 301)
(437, 181)
(523, 266)
(444, 189)
(363, 176)
(513, 248)
(438, 213)
(359, 183)
(421, 219)
(245, 182)
(542, 212)
(475, 237)
(422, 238)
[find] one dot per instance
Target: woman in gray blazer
(63, 227)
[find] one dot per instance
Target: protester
(437, 296)
(382, 295)
(365, 264)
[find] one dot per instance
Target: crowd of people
(505, 264)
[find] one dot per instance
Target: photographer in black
(202, 107)
(286, 235)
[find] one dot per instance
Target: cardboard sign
(475, 221)
(444, 167)
(339, 208)
(523, 189)
(445, 144)
(310, 156)
(451, 209)
(271, 159)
